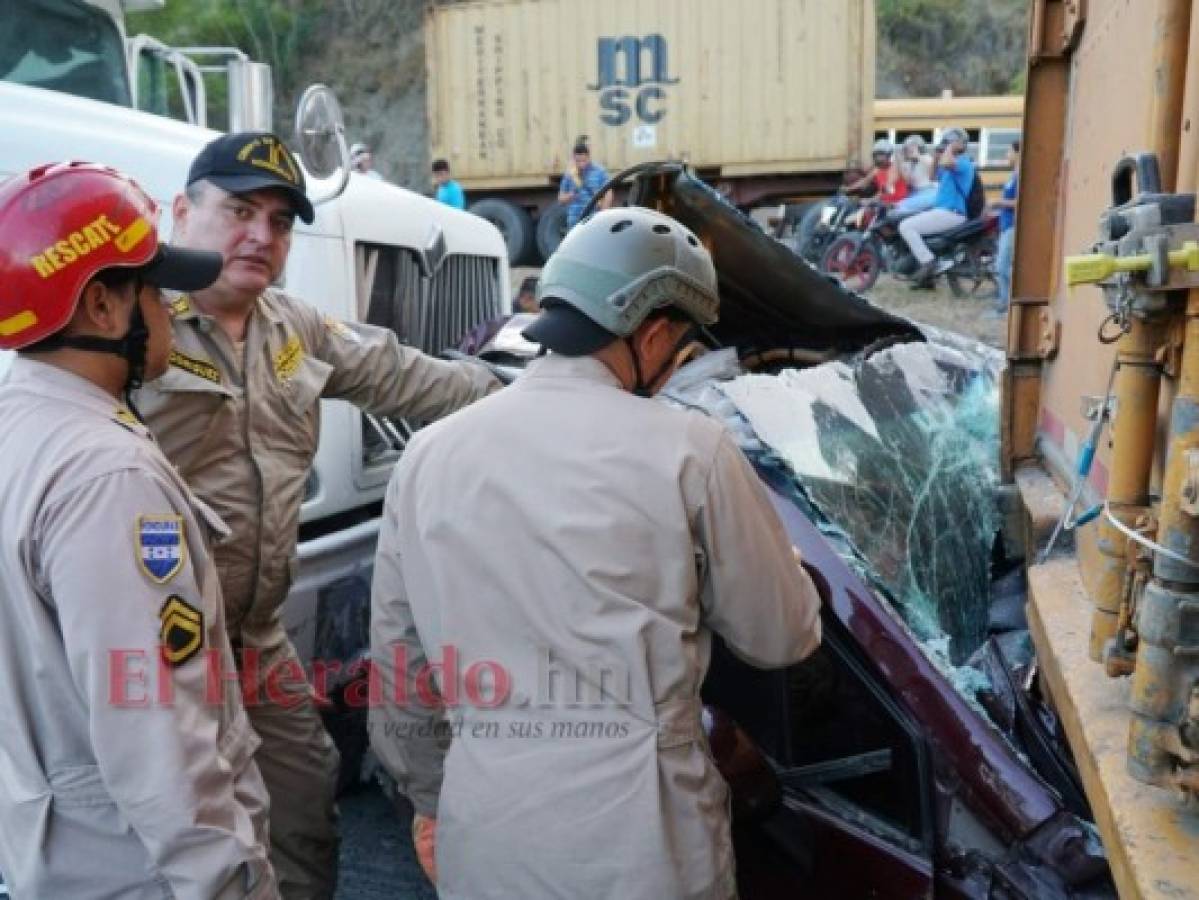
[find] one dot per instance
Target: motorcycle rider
(955, 176)
(916, 166)
(884, 178)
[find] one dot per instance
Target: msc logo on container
(626, 87)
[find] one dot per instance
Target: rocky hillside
(372, 53)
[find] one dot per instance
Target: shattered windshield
(898, 455)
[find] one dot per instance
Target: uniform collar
(184, 309)
(586, 368)
(51, 381)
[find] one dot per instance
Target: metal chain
(1122, 317)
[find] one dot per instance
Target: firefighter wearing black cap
(237, 413)
(124, 772)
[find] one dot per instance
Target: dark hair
(581, 148)
(440, 165)
(114, 278)
(1016, 145)
(529, 285)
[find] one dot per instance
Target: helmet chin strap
(641, 386)
(131, 348)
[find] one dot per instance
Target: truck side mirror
(321, 140)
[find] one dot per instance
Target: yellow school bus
(991, 123)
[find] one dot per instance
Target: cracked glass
(896, 457)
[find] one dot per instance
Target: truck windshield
(63, 45)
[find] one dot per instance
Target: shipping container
(770, 99)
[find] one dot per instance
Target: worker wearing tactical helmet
(125, 773)
(575, 545)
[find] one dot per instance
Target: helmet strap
(641, 386)
(131, 347)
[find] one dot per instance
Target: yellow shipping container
(737, 88)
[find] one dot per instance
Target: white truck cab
(375, 252)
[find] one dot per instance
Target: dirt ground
(971, 316)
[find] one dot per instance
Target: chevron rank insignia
(181, 630)
(162, 546)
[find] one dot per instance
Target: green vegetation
(971, 47)
(278, 32)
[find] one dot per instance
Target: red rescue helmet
(60, 225)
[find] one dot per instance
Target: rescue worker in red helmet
(126, 767)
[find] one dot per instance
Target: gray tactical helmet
(611, 271)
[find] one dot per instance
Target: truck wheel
(514, 224)
(551, 228)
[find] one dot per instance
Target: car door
(855, 819)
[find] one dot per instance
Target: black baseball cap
(562, 328)
(250, 161)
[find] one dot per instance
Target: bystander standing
(1006, 206)
(449, 191)
(580, 183)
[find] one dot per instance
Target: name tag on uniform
(201, 368)
(162, 547)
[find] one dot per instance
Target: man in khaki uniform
(125, 769)
(238, 415)
(560, 555)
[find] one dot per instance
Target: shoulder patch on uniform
(342, 330)
(201, 368)
(288, 360)
(181, 306)
(181, 630)
(161, 546)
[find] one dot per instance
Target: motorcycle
(821, 225)
(965, 255)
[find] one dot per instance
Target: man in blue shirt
(955, 177)
(449, 191)
(580, 183)
(1007, 229)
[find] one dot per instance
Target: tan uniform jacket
(244, 436)
(120, 775)
(579, 538)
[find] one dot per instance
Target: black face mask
(641, 386)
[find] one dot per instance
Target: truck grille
(431, 313)
(463, 293)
